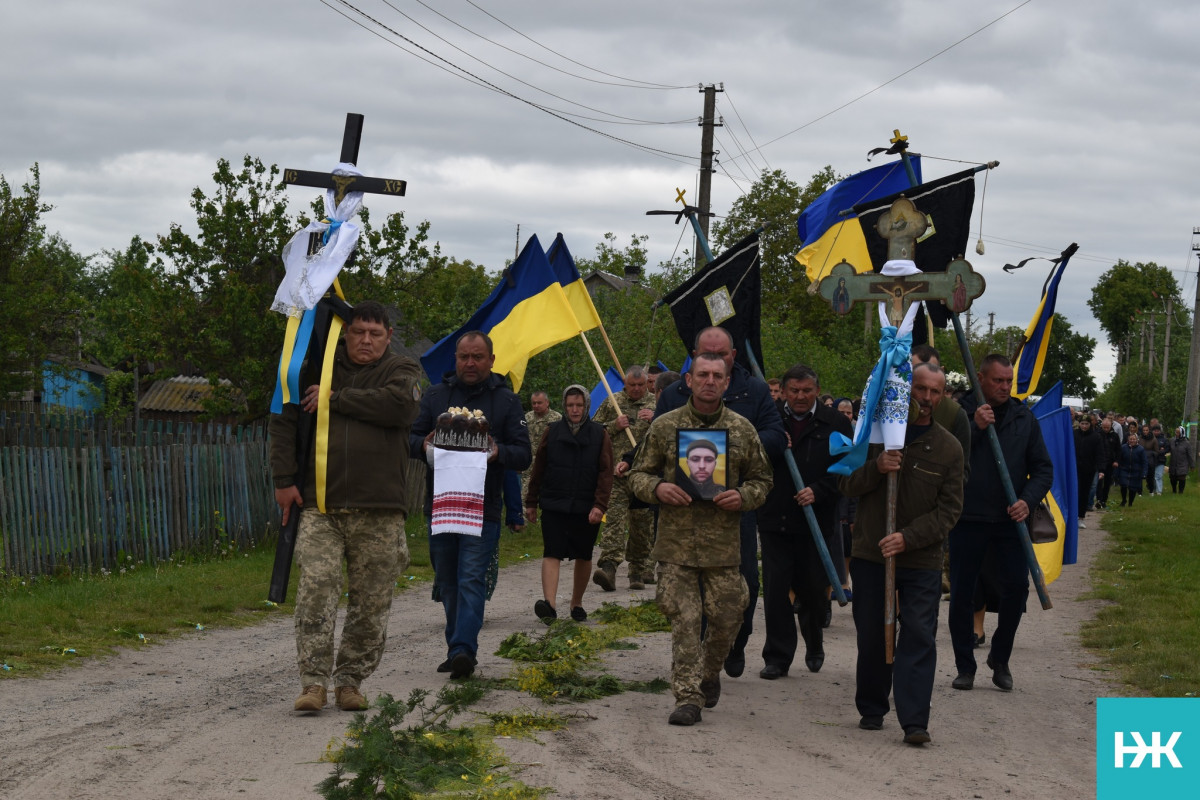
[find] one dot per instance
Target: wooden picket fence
(88, 508)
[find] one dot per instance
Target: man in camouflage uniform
(536, 423)
(633, 410)
(372, 403)
(699, 541)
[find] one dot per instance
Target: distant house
(597, 279)
(181, 399)
(73, 384)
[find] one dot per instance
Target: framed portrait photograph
(701, 453)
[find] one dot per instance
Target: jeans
(1158, 473)
(460, 565)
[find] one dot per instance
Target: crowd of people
(686, 480)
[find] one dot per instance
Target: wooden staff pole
(612, 353)
(604, 381)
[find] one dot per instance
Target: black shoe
(828, 614)
(544, 611)
(461, 666)
(980, 638)
(1000, 675)
(871, 723)
(814, 659)
(771, 672)
(685, 715)
(578, 614)
(444, 666)
(712, 690)
(735, 663)
(916, 736)
(965, 680)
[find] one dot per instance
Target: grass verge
(1150, 634)
(51, 622)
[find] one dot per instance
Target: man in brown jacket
(371, 403)
(929, 500)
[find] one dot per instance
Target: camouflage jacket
(607, 415)
(536, 426)
(700, 534)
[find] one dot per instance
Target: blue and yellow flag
(1028, 367)
(569, 278)
(1055, 422)
(525, 314)
(616, 382)
(829, 234)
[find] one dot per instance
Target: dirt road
(209, 716)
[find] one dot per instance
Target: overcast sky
(1090, 108)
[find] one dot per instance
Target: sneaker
(916, 736)
(605, 577)
(871, 723)
(311, 700)
(1082, 526)
(685, 715)
(349, 698)
(461, 666)
(544, 611)
(711, 687)
(578, 614)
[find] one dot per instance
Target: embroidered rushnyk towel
(458, 491)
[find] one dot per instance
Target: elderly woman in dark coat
(1181, 460)
(1089, 459)
(1131, 469)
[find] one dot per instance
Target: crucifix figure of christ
(328, 311)
(897, 289)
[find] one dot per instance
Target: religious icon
(958, 300)
(841, 298)
(701, 456)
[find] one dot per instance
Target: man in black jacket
(989, 521)
(789, 554)
(460, 561)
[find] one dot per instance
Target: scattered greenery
(1149, 634)
(381, 757)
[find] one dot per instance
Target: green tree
(41, 289)
(616, 260)
(1068, 355)
(1125, 292)
(232, 268)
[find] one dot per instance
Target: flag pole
(608, 344)
(604, 380)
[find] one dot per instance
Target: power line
(943, 51)
(647, 84)
(746, 128)
(510, 76)
(470, 77)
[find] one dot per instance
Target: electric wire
(460, 72)
(525, 83)
(648, 84)
(746, 127)
(911, 69)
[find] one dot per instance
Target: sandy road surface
(209, 716)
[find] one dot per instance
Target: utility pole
(1167, 342)
(1192, 395)
(707, 123)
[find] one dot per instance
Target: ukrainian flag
(1055, 422)
(829, 235)
(528, 312)
(568, 276)
(1028, 368)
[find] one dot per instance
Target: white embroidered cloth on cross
(458, 478)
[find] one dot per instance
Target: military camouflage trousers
(614, 546)
(725, 598)
(373, 544)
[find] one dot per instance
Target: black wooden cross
(341, 184)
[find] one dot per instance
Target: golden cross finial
(896, 137)
(679, 196)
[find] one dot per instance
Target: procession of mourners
(901, 495)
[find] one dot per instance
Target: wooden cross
(340, 184)
(844, 287)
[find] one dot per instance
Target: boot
(605, 576)
(349, 698)
(312, 699)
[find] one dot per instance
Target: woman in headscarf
(1131, 469)
(571, 480)
(1181, 460)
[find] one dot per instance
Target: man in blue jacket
(460, 561)
(750, 397)
(989, 521)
